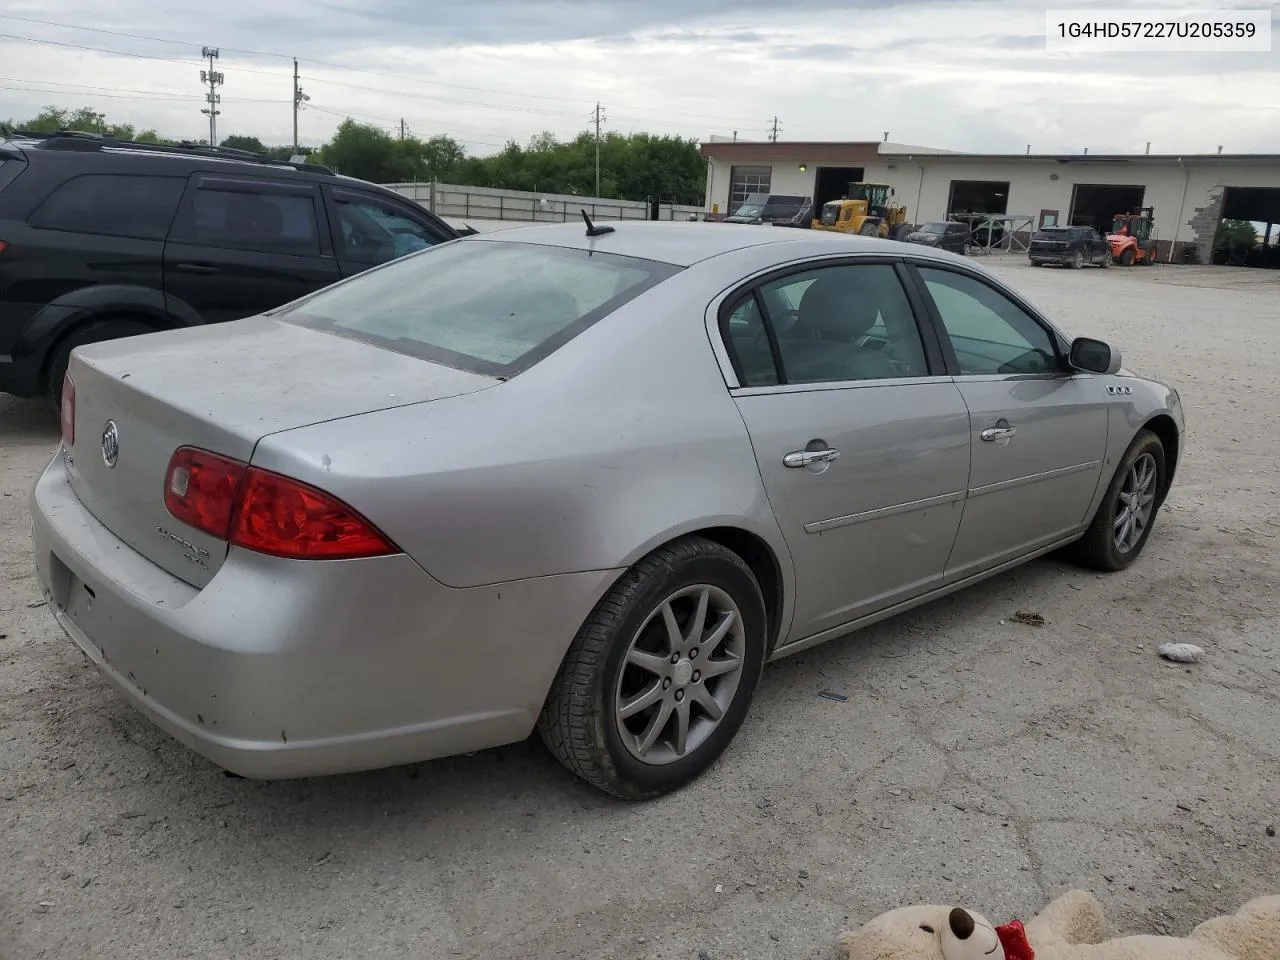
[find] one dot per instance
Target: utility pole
(213, 78)
(402, 128)
(299, 98)
(773, 131)
(599, 119)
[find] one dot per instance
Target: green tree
(1236, 234)
(363, 151)
(252, 144)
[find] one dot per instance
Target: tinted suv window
(373, 232)
(495, 307)
(255, 221)
(112, 205)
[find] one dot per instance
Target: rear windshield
(489, 306)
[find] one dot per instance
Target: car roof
(684, 244)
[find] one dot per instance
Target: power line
(342, 66)
(117, 93)
(121, 53)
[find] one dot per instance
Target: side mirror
(1094, 356)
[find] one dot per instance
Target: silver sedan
(581, 480)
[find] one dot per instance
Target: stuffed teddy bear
(1070, 928)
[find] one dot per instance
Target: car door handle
(197, 268)
(1003, 432)
(804, 458)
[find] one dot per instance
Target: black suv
(1069, 246)
(102, 238)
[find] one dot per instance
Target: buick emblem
(110, 444)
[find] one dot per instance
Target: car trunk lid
(220, 388)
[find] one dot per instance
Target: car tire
(1143, 468)
(622, 658)
(1106, 260)
(92, 332)
(1077, 261)
(1127, 258)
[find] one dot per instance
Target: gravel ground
(976, 760)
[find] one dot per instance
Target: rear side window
(111, 205)
(251, 220)
(492, 307)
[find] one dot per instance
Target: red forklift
(1132, 237)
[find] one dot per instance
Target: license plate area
(71, 595)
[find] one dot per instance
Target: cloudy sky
(946, 73)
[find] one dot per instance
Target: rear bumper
(1051, 256)
(300, 668)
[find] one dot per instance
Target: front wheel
(1077, 261)
(1124, 519)
(1127, 258)
(658, 680)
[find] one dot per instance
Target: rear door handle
(197, 268)
(804, 458)
(1001, 432)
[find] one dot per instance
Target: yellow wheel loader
(868, 209)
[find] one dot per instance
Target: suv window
(258, 221)
(841, 323)
(445, 305)
(989, 332)
(111, 205)
(374, 232)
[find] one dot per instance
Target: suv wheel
(92, 332)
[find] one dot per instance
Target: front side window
(492, 307)
(372, 232)
(989, 333)
(253, 221)
(112, 205)
(842, 323)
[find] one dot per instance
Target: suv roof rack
(86, 141)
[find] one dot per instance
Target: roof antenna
(592, 229)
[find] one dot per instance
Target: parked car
(101, 238)
(1069, 247)
(943, 234)
(767, 208)
(588, 499)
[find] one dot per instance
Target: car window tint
(373, 233)
(252, 221)
(749, 345)
(848, 323)
(989, 332)
(490, 306)
(112, 205)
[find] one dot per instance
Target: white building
(1190, 194)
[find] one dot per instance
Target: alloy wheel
(680, 674)
(1135, 503)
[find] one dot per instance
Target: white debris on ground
(1181, 652)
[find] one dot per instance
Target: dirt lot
(977, 759)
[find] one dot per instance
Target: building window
(744, 181)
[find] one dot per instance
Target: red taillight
(200, 489)
(266, 512)
(285, 518)
(3, 245)
(67, 407)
